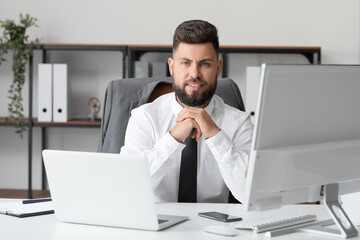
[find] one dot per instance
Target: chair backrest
(160, 89)
(123, 95)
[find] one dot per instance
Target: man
(223, 134)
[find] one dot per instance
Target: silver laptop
(103, 189)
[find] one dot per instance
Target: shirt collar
(176, 107)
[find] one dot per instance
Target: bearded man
(197, 146)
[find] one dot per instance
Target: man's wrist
(178, 140)
(213, 133)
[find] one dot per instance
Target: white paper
(17, 208)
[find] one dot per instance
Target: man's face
(195, 68)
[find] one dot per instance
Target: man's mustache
(192, 80)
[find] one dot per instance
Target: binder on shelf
(60, 93)
(141, 69)
(159, 69)
(45, 92)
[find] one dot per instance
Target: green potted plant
(14, 39)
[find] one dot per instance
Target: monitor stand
(331, 201)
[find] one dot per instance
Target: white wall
(331, 24)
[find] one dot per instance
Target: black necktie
(188, 172)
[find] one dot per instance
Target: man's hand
(182, 130)
(207, 126)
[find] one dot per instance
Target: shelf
(166, 47)
(261, 48)
(253, 48)
(5, 121)
(71, 123)
(23, 194)
(76, 122)
(312, 54)
(79, 47)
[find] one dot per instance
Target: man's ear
(219, 66)
(171, 63)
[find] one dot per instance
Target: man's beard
(196, 99)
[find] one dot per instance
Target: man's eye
(205, 64)
(185, 63)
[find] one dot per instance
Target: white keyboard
(269, 223)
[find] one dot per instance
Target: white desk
(47, 227)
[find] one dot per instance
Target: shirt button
(217, 144)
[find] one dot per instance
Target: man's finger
(197, 131)
(186, 113)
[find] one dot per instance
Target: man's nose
(194, 71)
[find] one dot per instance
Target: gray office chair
(123, 95)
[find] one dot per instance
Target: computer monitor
(306, 142)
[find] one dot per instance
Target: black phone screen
(218, 216)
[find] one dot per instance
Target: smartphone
(218, 216)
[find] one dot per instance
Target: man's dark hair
(196, 31)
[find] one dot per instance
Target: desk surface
(47, 227)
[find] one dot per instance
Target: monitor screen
(306, 135)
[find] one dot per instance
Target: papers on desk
(27, 208)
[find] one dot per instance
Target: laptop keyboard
(160, 221)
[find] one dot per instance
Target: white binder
(159, 69)
(45, 92)
(142, 69)
(60, 93)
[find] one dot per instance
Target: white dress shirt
(222, 159)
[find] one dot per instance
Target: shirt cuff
(169, 145)
(219, 144)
